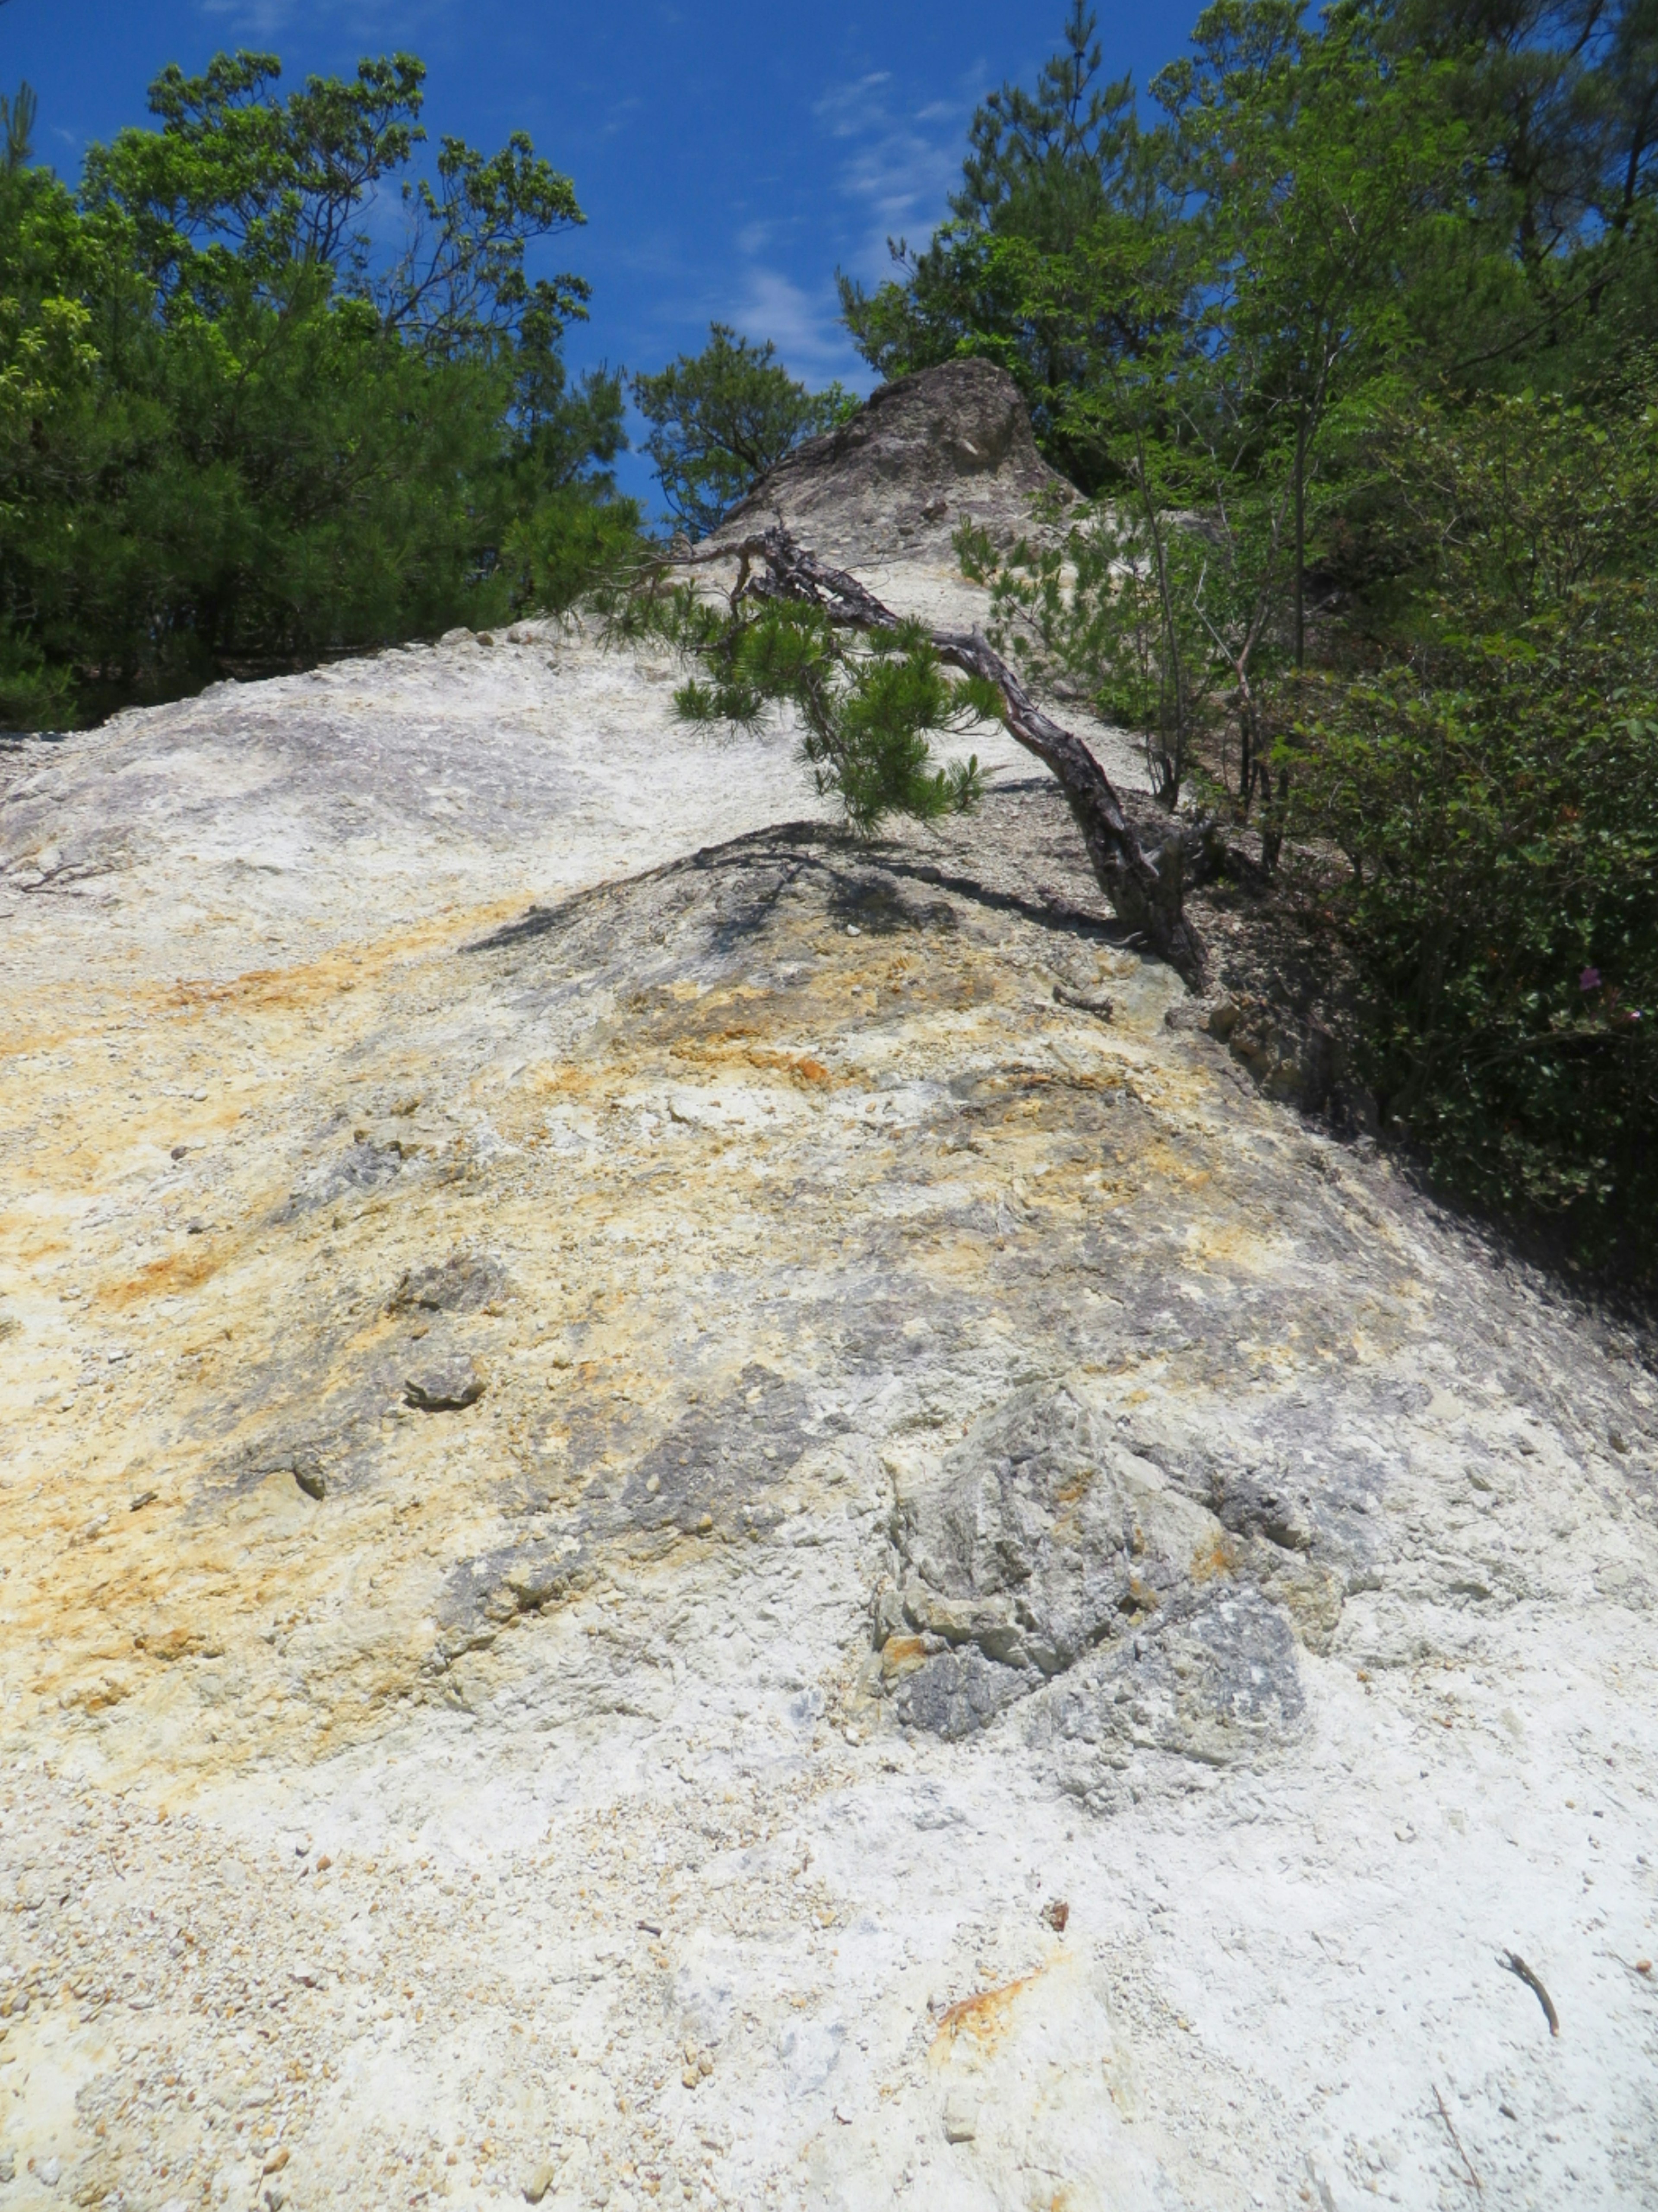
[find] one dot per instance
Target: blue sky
(729, 157)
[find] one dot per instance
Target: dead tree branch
(1146, 894)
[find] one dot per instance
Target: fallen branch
(1451, 2129)
(1146, 894)
(1516, 1965)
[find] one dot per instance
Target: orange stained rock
(985, 2017)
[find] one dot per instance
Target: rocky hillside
(928, 453)
(694, 1515)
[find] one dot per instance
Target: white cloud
(897, 167)
(804, 326)
(900, 163)
(260, 19)
(359, 19)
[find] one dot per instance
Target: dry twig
(1516, 1965)
(1451, 2129)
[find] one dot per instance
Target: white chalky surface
(643, 1895)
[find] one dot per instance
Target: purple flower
(1589, 980)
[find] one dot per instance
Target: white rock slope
(687, 1516)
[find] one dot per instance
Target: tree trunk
(1301, 542)
(1146, 894)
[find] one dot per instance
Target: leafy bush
(1490, 779)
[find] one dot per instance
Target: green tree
(1302, 168)
(719, 419)
(17, 116)
(1046, 170)
(1489, 777)
(232, 437)
(865, 708)
(1353, 344)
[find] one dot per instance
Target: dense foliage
(1488, 770)
(1345, 333)
(234, 437)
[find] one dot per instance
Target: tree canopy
(719, 419)
(1346, 326)
(233, 436)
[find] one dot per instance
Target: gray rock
(956, 1694)
(445, 1386)
(927, 453)
(364, 1165)
(1041, 1535)
(308, 1474)
(1217, 1681)
(463, 1282)
(1046, 1559)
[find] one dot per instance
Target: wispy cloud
(258, 18)
(897, 165)
(356, 19)
(804, 325)
(899, 162)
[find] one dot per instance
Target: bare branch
(1146, 894)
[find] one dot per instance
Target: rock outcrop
(691, 1515)
(922, 456)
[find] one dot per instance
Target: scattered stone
(308, 1474)
(445, 1386)
(1057, 1913)
(1085, 1002)
(137, 1505)
(540, 2182)
(463, 1282)
(699, 2065)
(960, 2118)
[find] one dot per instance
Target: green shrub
(1490, 780)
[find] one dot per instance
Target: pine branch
(1146, 894)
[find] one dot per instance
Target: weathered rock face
(927, 452)
(1049, 1560)
(720, 1520)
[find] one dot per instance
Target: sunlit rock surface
(689, 1517)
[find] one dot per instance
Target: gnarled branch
(1146, 894)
